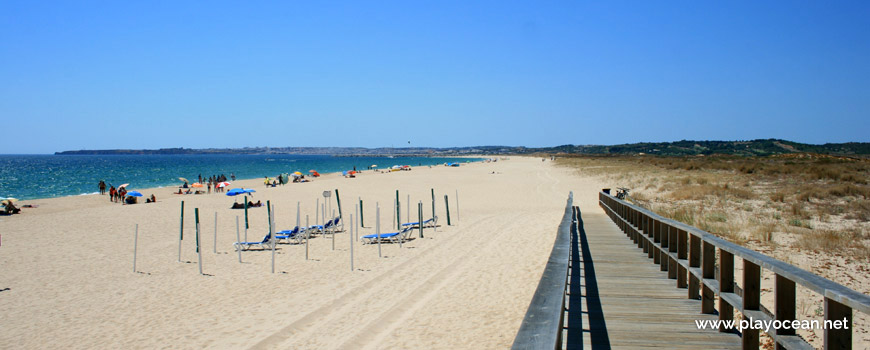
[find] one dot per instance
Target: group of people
(115, 195)
(238, 205)
(10, 208)
(213, 182)
(274, 183)
(120, 195)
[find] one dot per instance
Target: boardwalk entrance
(619, 299)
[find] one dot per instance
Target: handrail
(678, 248)
(542, 325)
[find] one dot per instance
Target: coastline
(81, 288)
(173, 183)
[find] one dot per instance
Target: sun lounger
(248, 245)
(297, 234)
(393, 237)
(428, 223)
(329, 227)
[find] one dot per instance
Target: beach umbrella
(374, 165)
(7, 200)
(183, 179)
(297, 173)
(223, 184)
(248, 190)
(134, 194)
(196, 184)
(344, 173)
(122, 186)
(312, 171)
(236, 192)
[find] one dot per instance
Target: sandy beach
(67, 277)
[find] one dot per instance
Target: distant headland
(764, 147)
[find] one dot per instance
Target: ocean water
(47, 176)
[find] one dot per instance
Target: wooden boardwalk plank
(624, 301)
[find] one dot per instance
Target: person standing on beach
(102, 186)
(209, 187)
(233, 176)
(112, 194)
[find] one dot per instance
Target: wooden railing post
(726, 285)
(709, 272)
(647, 231)
(682, 254)
(694, 261)
(784, 305)
(838, 338)
(673, 246)
(640, 230)
(751, 300)
(665, 237)
(657, 239)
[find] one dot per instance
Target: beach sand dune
(67, 279)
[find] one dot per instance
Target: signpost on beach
(361, 222)
(327, 207)
(307, 236)
(350, 235)
(238, 239)
(420, 217)
(356, 211)
(447, 209)
(247, 226)
(408, 213)
(180, 231)
(198, 251)
(297, 214)
(338, 203)
(433, 209)
(317, 211)
(272, 232)
(215, 232)
(333, 231)
(398, 213)
(457, 205)
(378, 227)
(269, 216)
(135, 246)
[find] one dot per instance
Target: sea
(48, 176)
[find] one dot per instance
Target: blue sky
(97, 75)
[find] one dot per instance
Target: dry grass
(746, 198)
(831, 241)
(764, 231)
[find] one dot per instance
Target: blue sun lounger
(248, 245)
(394, 237)
(329, 226)
(297, 234)
(428, 223)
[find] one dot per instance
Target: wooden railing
(542, 325)
(689, 254)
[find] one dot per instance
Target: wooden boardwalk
(619, 299)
